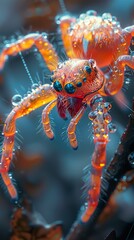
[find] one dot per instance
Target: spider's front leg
(40, 41)
(101, 126)
(115, 81)
(36, 99)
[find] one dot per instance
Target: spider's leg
(115, 80)
(65, 23)
(36, 99)
(46, 119)
(100, 119)
(40, 41)
(72, 127)
(129, 31)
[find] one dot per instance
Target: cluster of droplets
(108, 18)
(17, 98)
(90, 24)
(101, 119)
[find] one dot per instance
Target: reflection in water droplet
(34, 86)
(16, 99)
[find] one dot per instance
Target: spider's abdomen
(95, 37)
(77, 78)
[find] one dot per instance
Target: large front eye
(57, 86)
(69, 88)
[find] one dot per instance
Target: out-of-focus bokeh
(49, 173)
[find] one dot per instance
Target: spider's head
(77, 78)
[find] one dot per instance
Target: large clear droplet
(16, 99)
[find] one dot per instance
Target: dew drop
(58, 19)
(131, 158)
(10, 175)
(112, 128)
(92, 115)
(28, 93)
(82, 16)
(16, 99)
(132, 53)
(61, 17)
(114, 19)
(107, 118)
(127, 81)
(92, 13)
(34, 86)
(107, 105)
(107, 16)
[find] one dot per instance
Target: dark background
(54, 182)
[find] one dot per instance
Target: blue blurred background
(54, 182)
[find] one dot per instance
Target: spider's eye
(57, 86)
(79, 84)
(69, 88)
(84, 79)
(88, 69)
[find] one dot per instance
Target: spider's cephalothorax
(91, 42)
(77, 78)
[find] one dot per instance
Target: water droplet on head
(16, 99)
